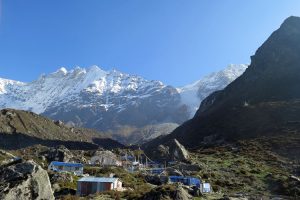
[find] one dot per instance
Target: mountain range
(106, 100)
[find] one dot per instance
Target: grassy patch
(252, 169)
(70, 185)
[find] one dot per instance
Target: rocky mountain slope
(264, 101)
(19, 129)
(105, 100)
(139, 135)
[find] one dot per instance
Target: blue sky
(175, 41)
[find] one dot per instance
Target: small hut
(206, 188)
(75, 168)
(92, 185)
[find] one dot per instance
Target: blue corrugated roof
(56, 163)
(185, 180)
(97, 179)
(179, 177)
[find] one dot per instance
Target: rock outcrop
(25, 181)
(105, 158)
(170, 151)
(59, 153)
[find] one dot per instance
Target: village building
(155, 171)
(92, 185)
(205, 188)
(153, 164)
(75, 168)
(189, 181)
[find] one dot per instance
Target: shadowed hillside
(19, 129)
(264, 101)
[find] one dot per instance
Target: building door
(89, 188)
(86, 188)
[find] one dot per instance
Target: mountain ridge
(20, 129)
(111, 100)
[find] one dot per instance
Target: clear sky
(175, 41)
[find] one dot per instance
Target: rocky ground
(249, 168)
(243, 170)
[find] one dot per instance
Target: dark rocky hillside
(264, 101)
(19, 129)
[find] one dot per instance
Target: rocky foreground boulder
(24, 181)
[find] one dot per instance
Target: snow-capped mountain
(54, 89)
(95, 98)
(193, 94)
(104, 100)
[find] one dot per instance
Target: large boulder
(59, 153)
(171, 151)
(178, 151)
(25, 181)
(105, 158)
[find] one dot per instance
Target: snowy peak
(117, 82)
(232, 71)
(194, 93)
(62, 71)
(63, 86)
